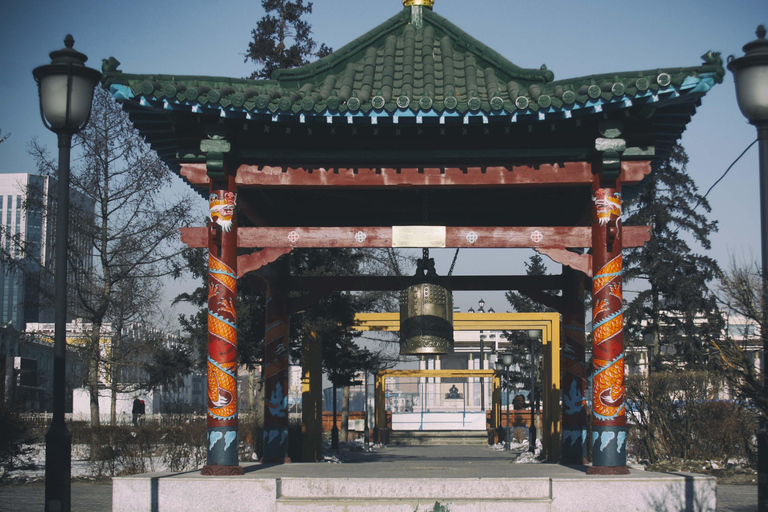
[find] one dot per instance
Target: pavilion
(417, 115)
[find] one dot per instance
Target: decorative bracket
(256, 260)
(611, 147)
(579, 262)
(214, 151)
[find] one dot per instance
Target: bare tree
(740, 291)
(134, 236)
(3, 137)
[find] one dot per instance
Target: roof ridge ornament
(425, 3)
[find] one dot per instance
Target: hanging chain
(453, 264)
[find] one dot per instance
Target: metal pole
(365, 408)
(506, 428)
(762, 434)
(532, 398)
(482, 367)
(334, 428)
(58, 439)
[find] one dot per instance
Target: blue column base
(573, 449)
(276, 445)
(222, 446)
(609, 447)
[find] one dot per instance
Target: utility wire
(720, 179)
(726, 172)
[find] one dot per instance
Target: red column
(276, 367)
(572, 361)
(609, 455)
(222, 439)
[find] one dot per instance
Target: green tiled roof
(411, 65)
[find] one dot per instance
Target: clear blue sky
(572, 38)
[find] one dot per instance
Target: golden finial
(425, 3)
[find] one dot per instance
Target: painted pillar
(470, 395)
(222, 328)
(496, 401)
(380, 434)
(572, 360)
(276, 367)
(311, 400)
(609, 454)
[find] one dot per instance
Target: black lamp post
(503, 362)
(750, 73)
(533, 335)
(66, 88)
(481, 303)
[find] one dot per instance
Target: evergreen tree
(282, 39)
(677, 308)
(519, 342)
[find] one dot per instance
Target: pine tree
(519, 342)
(282, 39)
(677, 308)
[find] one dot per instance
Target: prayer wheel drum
(426, 313)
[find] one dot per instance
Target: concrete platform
(420, 479)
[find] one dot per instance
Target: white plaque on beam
(418, 236)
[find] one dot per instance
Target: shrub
(14, 440)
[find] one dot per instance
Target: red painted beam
(562, 174)
(381, 237)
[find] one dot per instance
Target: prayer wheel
(426, 313)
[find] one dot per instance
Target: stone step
(411, 505)
(414, 495)
(438, 437)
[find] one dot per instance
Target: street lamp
(533, 335)
(481, 303)
(65, 87)
(750, 73)
(503, 362)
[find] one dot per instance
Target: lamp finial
(760, 32)
(69, 41)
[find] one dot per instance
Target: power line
(720, 178)
(726, 172)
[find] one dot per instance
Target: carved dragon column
(572, 361)
(609, 454)
(276, 367)
(222, 442)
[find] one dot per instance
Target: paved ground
(477, 460)
(737, 498)
(86, 497)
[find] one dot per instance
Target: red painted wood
(580, 262)
(498, 237)
(196, 174)
(567, 173)
(256, 260)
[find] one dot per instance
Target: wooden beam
(559, 174)
(392, 283)
(381, 237)
(580, 262)
(256, 260)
